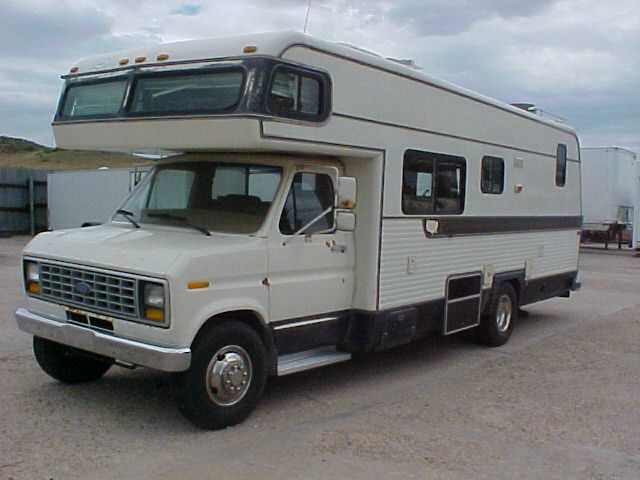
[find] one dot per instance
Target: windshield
(219, 197)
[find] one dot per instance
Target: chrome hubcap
(229, 375)
(503, 315)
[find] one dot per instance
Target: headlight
(154, 302)
(154, 295)
(33, 272)
(32, 277)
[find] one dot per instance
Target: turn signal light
(33, 287)
(154, 314)
(196, 285)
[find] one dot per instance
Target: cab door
(310, 274)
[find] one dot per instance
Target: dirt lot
(559, 401)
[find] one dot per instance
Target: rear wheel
(226, 378)
(496, 325)
(68, 364)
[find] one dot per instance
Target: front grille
(103, 292)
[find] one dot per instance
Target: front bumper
(137, 353)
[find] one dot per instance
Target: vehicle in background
(82, 198)
(609, 192)
(248, 254)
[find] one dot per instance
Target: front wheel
(68, 364)
(497, 325)
(226, 378)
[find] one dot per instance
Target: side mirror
(345, 221)
(347, 188)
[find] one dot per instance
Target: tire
(212, 393)
(496, 325)
(67, 364)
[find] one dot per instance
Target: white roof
(274, 44)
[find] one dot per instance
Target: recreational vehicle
(326, 202)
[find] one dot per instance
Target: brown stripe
(464, 225)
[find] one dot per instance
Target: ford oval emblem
(82, 288)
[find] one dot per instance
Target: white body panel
(609, 182)
(435, 259)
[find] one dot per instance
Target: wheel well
(517, 287)
(253, 320)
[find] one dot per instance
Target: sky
(577, 59)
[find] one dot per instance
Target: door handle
(339, 248)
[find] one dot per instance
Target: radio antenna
(306, 20)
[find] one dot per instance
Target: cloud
(188, 10)
(575, 58)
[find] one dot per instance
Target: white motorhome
(248, 255)
(609, 189)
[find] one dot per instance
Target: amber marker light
(124, 61)
(250, 49)
(155, 314)
(162, 56)
(197, 285)
(140, 59)
(74, 69)
(34, 287)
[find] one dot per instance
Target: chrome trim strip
(137, 353)
(305, 323)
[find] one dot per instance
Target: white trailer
(88, 197)
(636, 212)
(248, 255)
(609, 190)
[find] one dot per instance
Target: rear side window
(433, 183)
(309, 196)
(561, 165)
(492, 177)
(297, 94)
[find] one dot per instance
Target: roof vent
(407, 62)
(531, 108)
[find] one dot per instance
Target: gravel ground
(560, 401)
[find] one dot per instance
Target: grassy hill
(17, 152)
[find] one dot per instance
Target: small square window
(492, 177)
(296, 94)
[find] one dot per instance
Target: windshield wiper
(129, 216)
(182, 220)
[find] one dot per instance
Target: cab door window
(310, 195)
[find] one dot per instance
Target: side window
(492, 178)
(309, 196)
(433, 183)
(561, 165)
(295, 94)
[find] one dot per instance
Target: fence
(23, 201)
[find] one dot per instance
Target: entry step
(297, 362)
